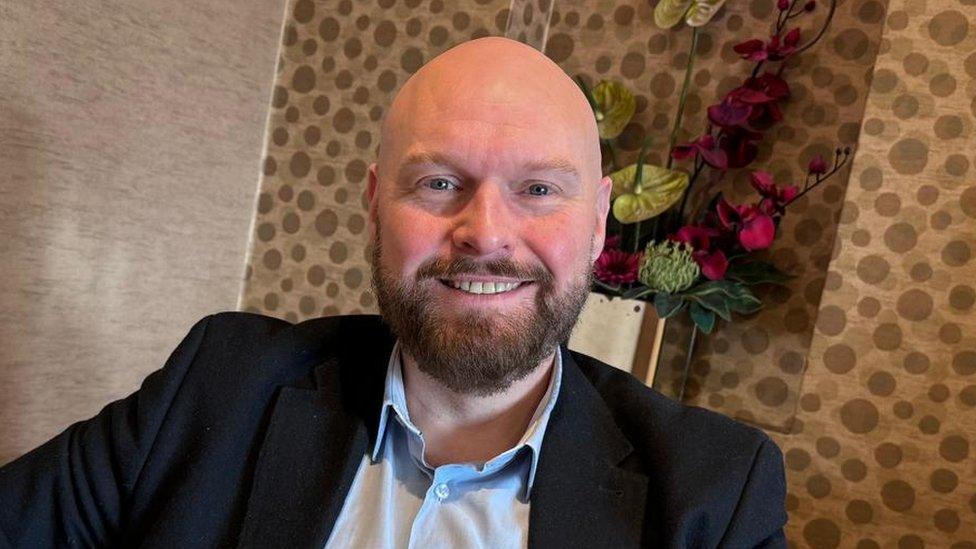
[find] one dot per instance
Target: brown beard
(474, 352)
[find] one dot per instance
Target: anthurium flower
(668, 267)
(712, 262)
(616, 266)
(707, 147)
(639, 196)
(614, 107)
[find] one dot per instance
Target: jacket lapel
(580, 498)
(317, 437)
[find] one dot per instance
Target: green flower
(613, 107)
(668, 267)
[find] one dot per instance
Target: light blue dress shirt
(397, 500)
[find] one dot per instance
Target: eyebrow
(555, 164)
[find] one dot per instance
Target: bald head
(499, 81)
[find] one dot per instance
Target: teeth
(485, 287)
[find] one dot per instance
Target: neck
(461, 428)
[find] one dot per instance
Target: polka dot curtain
(859, 368)
(881, 453)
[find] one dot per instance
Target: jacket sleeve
(72, 491)
(760, 514)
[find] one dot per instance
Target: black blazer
(251, 435)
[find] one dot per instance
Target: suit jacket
(251, 435)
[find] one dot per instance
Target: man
(459, 419)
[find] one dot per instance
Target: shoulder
(666, 433)
(243, 348)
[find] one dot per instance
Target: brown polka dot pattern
(858, 369)
(887, 409)
(769, 351)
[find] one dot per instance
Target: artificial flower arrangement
(704, 261)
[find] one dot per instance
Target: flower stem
(687, 369)
(699, 166)
(689, 67)
(823, 29)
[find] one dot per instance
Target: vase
(624, 333)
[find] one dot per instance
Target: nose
(485, 226)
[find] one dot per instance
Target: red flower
(730, 112)
(754, 228)
(776, 49)
(774, 199)
(753, 50)
(616, 266)
(817, 165)
(740, 146)
(782, 5)
(712, 263)
(707, 147)
(762, 94)
(612, 242)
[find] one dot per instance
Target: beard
(477, 352)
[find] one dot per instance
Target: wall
(130, 138)
(883, 447)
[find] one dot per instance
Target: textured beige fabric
(130, 135)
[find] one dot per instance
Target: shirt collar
(394, 398)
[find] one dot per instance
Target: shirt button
(442, 491)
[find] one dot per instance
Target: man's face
(485, 228)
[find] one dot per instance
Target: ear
(602, 209)
(371, 198)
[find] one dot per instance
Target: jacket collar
(320, 429)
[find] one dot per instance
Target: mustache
(447, 268)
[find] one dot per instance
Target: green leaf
(742, 301)
(702, 317)
(614, 107)
(668, 13)
(725, 296)
(637, 292)
(702, 11)
(667, 305)
(756, 272)
(660, 188)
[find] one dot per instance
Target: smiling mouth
(483, 288)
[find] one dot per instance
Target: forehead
(502, 135)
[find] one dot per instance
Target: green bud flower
(668, 267)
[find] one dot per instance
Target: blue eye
(538, 189)
(440, 184)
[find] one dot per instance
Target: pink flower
(762, 94)
(776, 49)
(712, 262)
(617, 267)
(707, 147)
(817, 165)
(730, 112)
(774, 199)
(754, 227)
(740, 145)
(612, 242)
